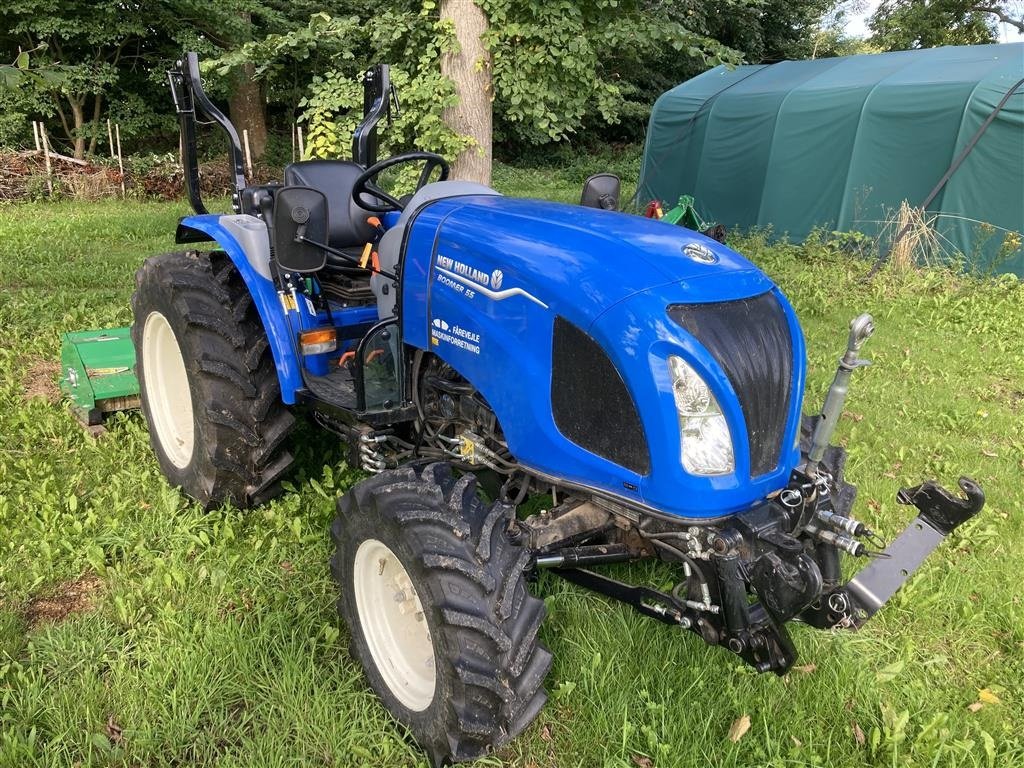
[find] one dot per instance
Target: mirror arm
(301, 238)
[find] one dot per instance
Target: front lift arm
(755, 556)
(940, 514)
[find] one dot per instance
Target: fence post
(46, 158)
(120, 160)
(248, 154)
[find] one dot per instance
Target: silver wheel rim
(392, 621)
(167, 391)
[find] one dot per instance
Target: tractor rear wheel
(207, 380)
(434, 593)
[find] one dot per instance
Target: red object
(654, 210)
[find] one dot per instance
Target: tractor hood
(581, 261)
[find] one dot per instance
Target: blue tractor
(475, 350)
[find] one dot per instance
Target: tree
(469, 68)
(88, 39)
(903, 24)
(216, 28)
(544, 71)
(113, 53)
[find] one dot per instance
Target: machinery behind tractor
(474, 350)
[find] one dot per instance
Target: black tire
(470, 581)
(239, 453)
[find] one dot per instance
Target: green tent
(839, 143)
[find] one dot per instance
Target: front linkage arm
(939, 514)
(757, 556)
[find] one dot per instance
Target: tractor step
(98, 373)
(336, 388)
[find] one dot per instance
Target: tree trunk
(470, 69)
(96, 105)
(78, 117)
(248, 112)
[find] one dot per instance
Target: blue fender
(264, 296)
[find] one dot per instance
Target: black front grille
(750, 339)
(590, 402)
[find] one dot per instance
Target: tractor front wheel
(434, 594)
(207, 380)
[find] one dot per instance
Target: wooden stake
(248, 154)
(66, 159)
(110, 138)
(35, 135)
(120, 160)
(302, 144)
(293, 142)
(46, 157)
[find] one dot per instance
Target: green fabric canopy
(839, 143)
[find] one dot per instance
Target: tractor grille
(750, 339)
(590, 402)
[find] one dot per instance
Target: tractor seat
(346, 221)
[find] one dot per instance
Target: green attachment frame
(98, 373)
(685, 215)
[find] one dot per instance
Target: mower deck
(98, 373)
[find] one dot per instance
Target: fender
(261, 288)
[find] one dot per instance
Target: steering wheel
(365, 185)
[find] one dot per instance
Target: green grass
(212, 638)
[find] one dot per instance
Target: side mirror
(601, 191)
(300, 229)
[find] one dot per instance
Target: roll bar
(191, 100)
(378, 93)
(189, 96)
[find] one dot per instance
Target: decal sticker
(469, 281)
(457, 336)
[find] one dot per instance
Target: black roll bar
(377, 95)
(189, 97)
(191, 100)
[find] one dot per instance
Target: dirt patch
(41, 380)
(1008, 392)
(67, 599)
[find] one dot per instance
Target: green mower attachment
(98, 373)
(685, 215)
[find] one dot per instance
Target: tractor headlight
(707, 444)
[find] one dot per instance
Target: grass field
(136, 630)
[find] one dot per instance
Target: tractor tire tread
(243, 454)
(491, 638)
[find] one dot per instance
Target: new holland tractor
(474, 350)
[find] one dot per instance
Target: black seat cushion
(335, 178)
